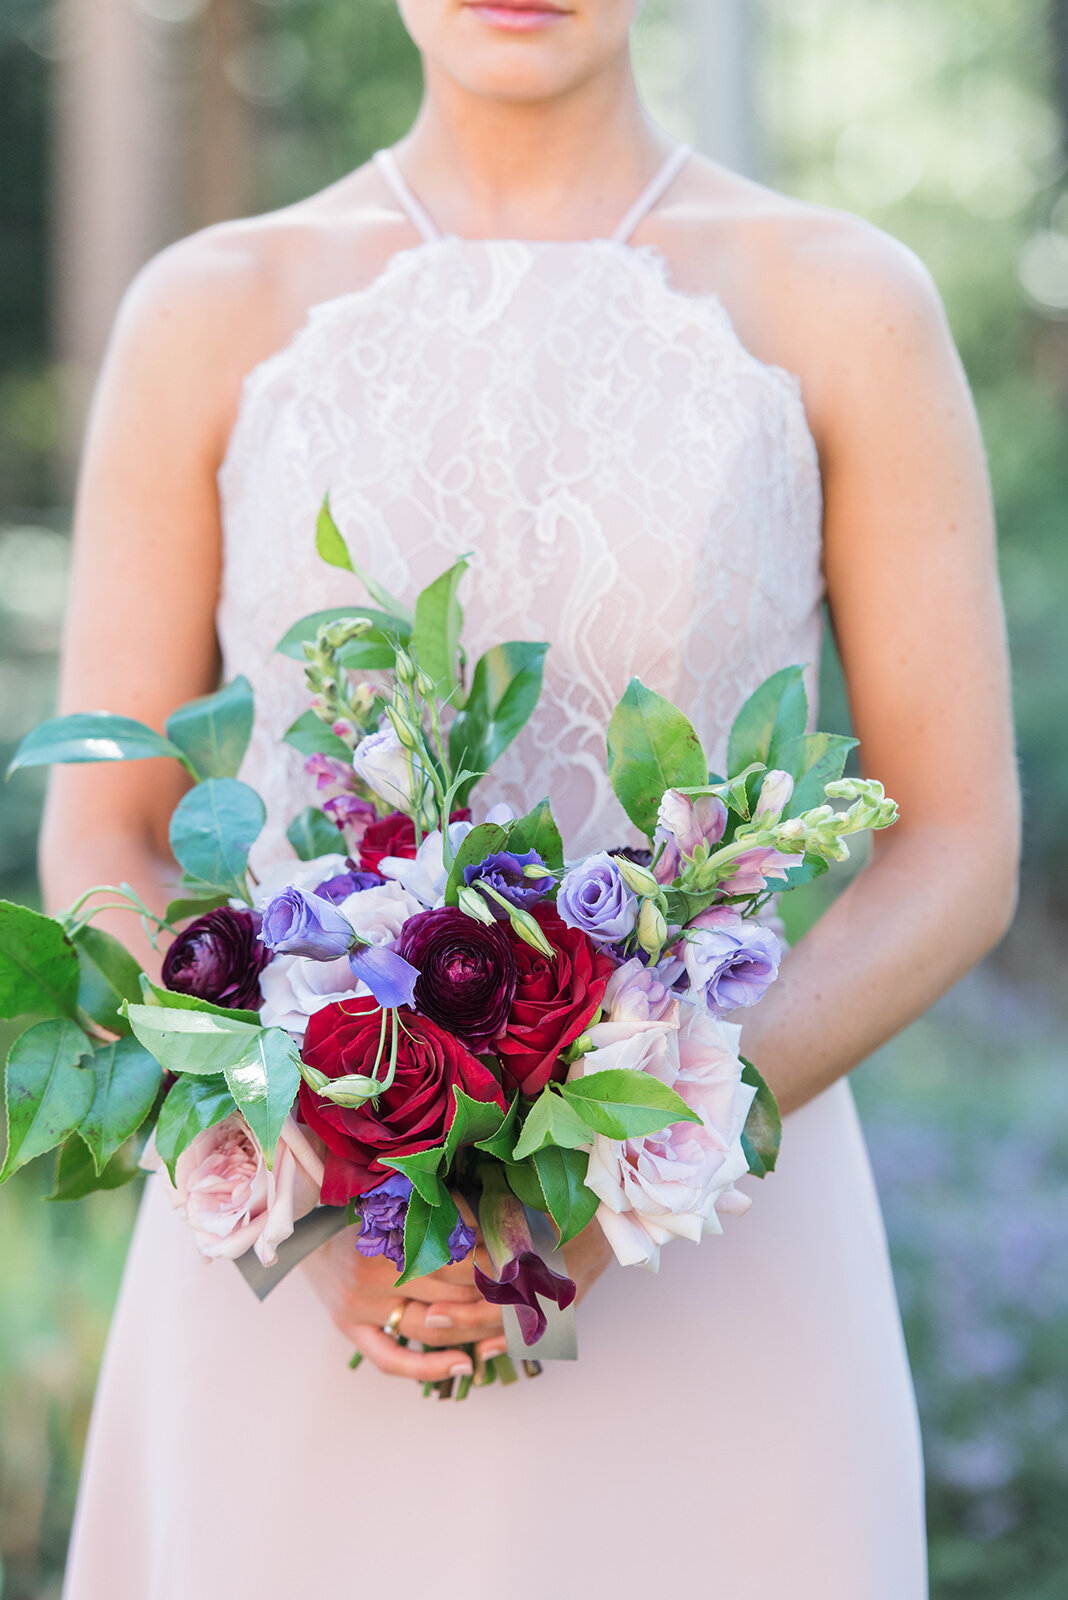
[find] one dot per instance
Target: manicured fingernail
(436, 1319)
(462, 1369)
(491, 1350)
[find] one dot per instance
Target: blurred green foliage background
(942, 122)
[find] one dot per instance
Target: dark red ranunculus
(394, 836)
(554, 1003)
(415, 1113)
(466, 969)
(219, 958)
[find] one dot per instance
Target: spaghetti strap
(652, 192)
(414, 210)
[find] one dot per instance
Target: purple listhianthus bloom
(595, 899)
(390, 978)
(296, 923)
(504, 872)
(522, 1275)
(219, 958)
(383, 1213)
(330, 772)
(729, 961)
(339, 887)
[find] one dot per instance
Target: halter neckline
(428, 230)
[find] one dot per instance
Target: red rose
(415, 1113)
(394, 836)
(554, 1002)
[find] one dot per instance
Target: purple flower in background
(389, 977)
(339, 887)
(383, 1213)
(682, 824)
(730, 962)
(751, 870)
(504, 872)
(594, 898)
(219, 958)
(299, 924)
(350, 813)
(330, 772)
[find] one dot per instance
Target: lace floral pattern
(629, 482)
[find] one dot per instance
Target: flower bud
(652, 928)
(776, 791)
(794, 829)
(536, 870)
(404, 666)
(640, 879)
(425, 685)
(527, 929)
(352, 1091)
(335, 635)
(345, 730)
(474, 905)
(405, 731)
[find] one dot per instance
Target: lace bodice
(631, 484)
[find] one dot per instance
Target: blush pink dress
(636, 488)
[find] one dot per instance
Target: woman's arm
(913, 591)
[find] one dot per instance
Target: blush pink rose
(231, 1199)
(673, 1184)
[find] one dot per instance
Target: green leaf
(213, 829)
(562, 1176)
(90, 736)
(38, 965)
(264, 1082)
(187, 1040)
(48, 1090)
(808, 869)
(505, 687)
(127, 1082)
(523, 1182)
(192, 1104)
(813, 760)
(538, 831)
(622, 1104)
(439, 620)
(385, 627)
(483, 840)
(76, 1176)
(313, 834)
(214, 731)
(500, 1144)
(153, 994)
(775, 712)
(652, 747)
(422, 1170)
(762, 1134)
(108, 976)
(311, 736)
(184, 910)
(474, 1120)
(551, 1121)
(333, 549)
(426, 1236)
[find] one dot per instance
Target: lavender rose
(595, 899)
(296, 923)
(467, 973)
(504, 872)
(383, 1213)
(730, 962)
(219, 958)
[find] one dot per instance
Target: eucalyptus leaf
(311, 737)
(213, 829)
(91, 736)
(485, 839)
(562, 1176)
(439, 620)
(264, 1083)
(622, 1104)
(551, 1121)
(108, 976)
(538, 831)
(48, 1090)
(505, 688)
(652, 747)
(312, 834)
(39, 973)
(333, 549)
(214, 731)
(762, 1134)
(427, 1230)
(776, 712)
(192, 1105)
(76, 1176)
(127, 1082)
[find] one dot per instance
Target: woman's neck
(493, 169)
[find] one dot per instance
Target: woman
(508, 353)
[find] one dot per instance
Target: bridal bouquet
(423, 1018)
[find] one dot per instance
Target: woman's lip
(516, 18)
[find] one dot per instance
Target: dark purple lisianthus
(383, 1213)
(504, 872)
(219, 958)
(343, 884)
(467, 973)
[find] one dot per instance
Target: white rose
(426, 876)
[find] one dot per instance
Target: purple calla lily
(389, 977)
(522, 1275)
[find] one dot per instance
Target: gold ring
(391, 1326)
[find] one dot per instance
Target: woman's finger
(451, 1322)
(400, 1362)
